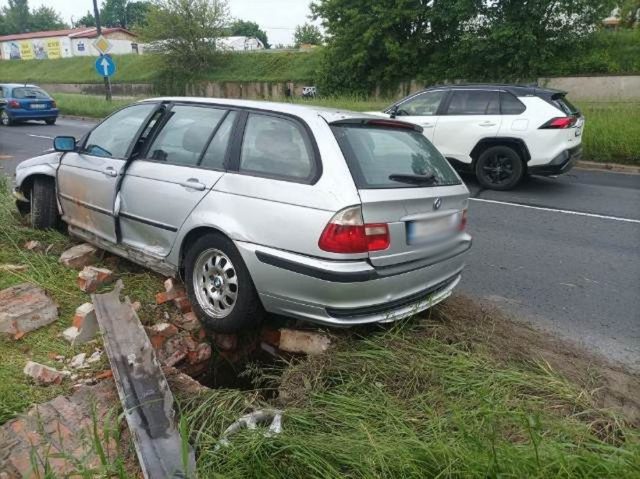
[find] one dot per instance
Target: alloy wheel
(4, 118)
(215, 283)
(498, 169)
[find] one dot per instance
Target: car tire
(50, 121)
(44, 207)
(226, 300)
(499, 168)
(5, 119)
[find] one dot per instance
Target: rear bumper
(346, 293)
(562, 163)
(23, 114)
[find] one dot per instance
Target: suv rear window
(565, 105)
(374, 154)
(30, 92)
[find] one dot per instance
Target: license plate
(428, 230)
(38, 106)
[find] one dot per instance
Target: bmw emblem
(437, 203)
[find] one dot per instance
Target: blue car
(20, 102)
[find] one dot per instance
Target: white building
(64, 43)
(239, 44)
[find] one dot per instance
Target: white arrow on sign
(105, 67)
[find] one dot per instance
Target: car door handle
(487, 123)
(110, 171)
(194, 184)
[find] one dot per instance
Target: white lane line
(40, 136)
(557, 210)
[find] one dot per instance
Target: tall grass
(403, 403)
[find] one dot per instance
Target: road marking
(557, 210)
(40, 136)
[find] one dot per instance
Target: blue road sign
(105, 66)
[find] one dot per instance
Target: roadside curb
(610, 167)
(80, 118)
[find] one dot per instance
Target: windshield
(383, 157)
(30, 92)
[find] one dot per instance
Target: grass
(16, 391)
(612, 132)
(412, 402)
(276, 67)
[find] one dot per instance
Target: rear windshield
(30, 92)
(374, 154)
(565, 105)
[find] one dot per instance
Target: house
(64, 43)
(239, 44)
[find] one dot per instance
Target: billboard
(39, 49)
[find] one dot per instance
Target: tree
(307, 34)
(87, 21)
(45, 18)
(185, 31)
(380, 43)
(16, 16)
(249, 29)
(123, 13)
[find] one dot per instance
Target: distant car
(26, 102)
(499, 132)
(330, 216)
(309, 91)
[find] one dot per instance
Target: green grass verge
(413, 402)
(16, 391)
(275, 67)
(611, 134)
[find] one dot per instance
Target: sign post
(103, 46)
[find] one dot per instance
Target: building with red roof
(64, 43)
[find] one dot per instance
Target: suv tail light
(559, 123)
(14, 104)
(347, 232)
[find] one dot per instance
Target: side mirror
(64, 143)
(394, 112)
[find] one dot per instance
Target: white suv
(498, 132)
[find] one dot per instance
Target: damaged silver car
(328, 216)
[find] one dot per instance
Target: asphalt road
(562, 253)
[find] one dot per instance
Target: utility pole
(107, 82)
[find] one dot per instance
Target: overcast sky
(278, 17)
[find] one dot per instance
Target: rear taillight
(346, 232)
(559, 123)
(463, 221)
(14, 104)
(53, 104)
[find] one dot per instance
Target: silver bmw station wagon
(324, 215)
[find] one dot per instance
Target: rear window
(30, 92)
(565, 105)
(374, 154)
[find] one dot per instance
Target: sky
(278, 17)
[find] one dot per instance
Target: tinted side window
(275, 146)
(473, 102)
(215, 154)
(112, 137)
(185, 134)
(510, 105)
(425, 104)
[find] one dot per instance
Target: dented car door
(87, 179)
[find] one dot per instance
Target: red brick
(91, 278)
(270, 336)
(175, 358)
(201, 354)
(79, 256)
(163, 297)
(188, 322)
(82, 312)
(42, 374)
(183, 304)
(225, 342)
